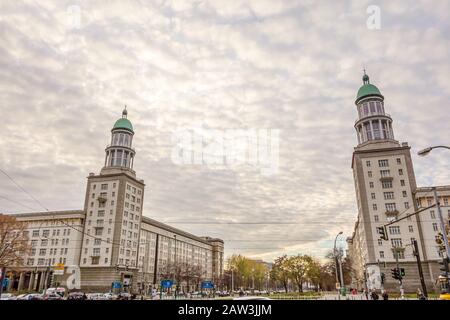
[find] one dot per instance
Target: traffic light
(383, 277)
(443, 266)
(395, 274)
(383, 233)
(440, 242)
(402, 272)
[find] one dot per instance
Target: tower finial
(125, 112)
(365, 77)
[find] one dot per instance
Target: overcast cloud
(67, 68)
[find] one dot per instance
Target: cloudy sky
(67, 68)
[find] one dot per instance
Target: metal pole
(336, 261)
(232, 280)
(441, 220)
(176, 268)
(381, 278)
(2, 277)
(419, 266)
(340, 271)
(398, 268)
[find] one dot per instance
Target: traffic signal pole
(402, 292)
(419, 266)
(441, 220)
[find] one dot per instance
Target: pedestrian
(385, 295)
(374, 295)
(366, 294)
(420, 295)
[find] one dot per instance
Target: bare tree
(14, 244)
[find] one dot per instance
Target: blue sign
(5, 283)
(117, 285)
(166, 283)
(207, 285)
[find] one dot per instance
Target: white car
(251, 298)
(96, 296)
(8, 296)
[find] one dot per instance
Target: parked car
(124, 296)
(8, 296)
(76, 296)
(52, 296)
(96, 296)
(30, 296)
(251, 298)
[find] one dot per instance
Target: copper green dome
(367, 89)
(123, 123)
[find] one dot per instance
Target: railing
(372, 114)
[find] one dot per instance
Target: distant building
(110, 240)
(386, 190)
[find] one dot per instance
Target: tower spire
(365, 77)
(125, 112)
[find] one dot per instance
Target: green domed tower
(373, 123)
(120, 153)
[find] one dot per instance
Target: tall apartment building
(386, 191)
(110, 240)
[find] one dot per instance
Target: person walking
(374, 295)
(385, 295)
(420, 295)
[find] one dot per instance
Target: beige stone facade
(386, 191)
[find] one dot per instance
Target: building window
(98, 231)
(400, 172)
(402, 183)
(376, 218)
(396, 242)
(385, 173)
(104, 186)
(35, 233)
(405, 194)
(386, 184)
(435, 226)
(399, 161)
(401, 254)
(432, 215)
(97, 242)
(374, 207)
(388, 195)
(410, 228)
(383, 163)
(96, 251)
(394, 230)
(390, 207)
(381, 254)
(406, 205)
(370, 184)
(114, 185)
(95, 260)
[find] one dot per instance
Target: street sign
(207, 285)
(117, 285)
(58, 269)
(166, 283)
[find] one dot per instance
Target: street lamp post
(424, 152)
(337, 262)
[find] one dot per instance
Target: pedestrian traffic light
(382, 232)
(443, 266)
(402, 272)
(395, 274)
